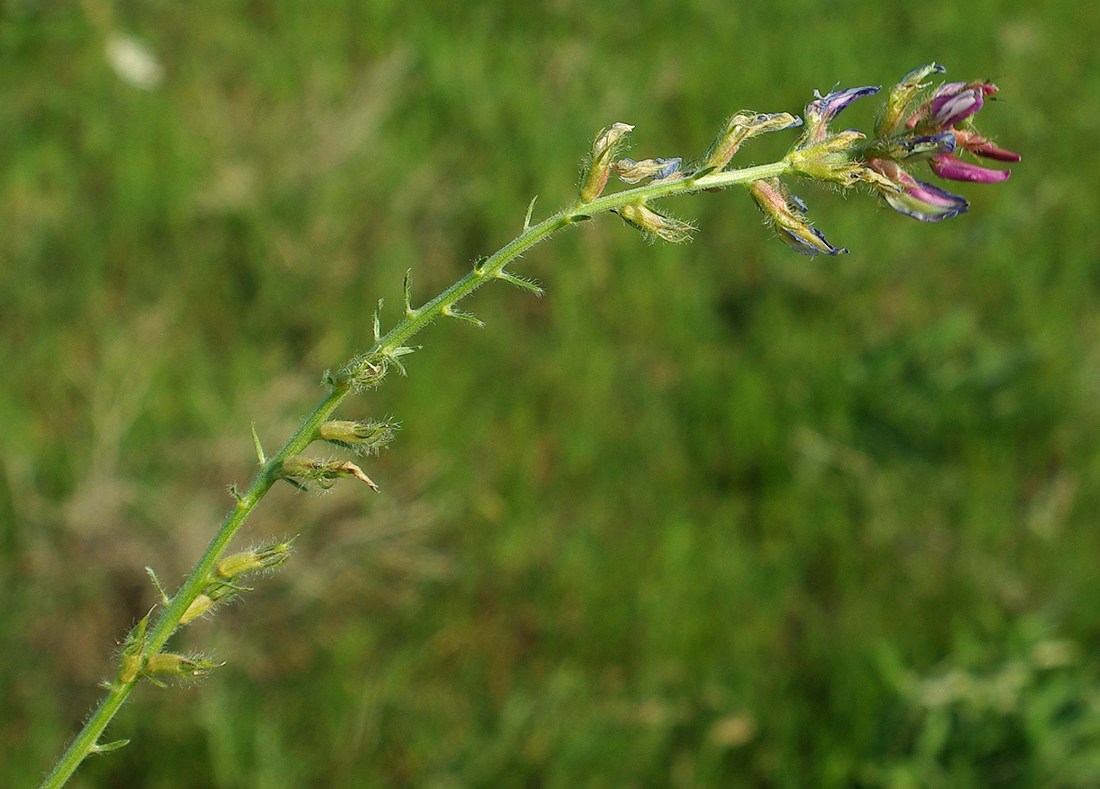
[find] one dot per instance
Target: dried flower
(321, 474)
(787, 214)
(740, 127)
(631, 172)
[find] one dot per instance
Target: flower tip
(954, 169)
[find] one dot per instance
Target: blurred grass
(703, 516)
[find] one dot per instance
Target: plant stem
(387, 347)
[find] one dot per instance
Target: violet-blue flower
(823, 109)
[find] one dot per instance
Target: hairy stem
(387, 348)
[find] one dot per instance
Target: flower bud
(656, 225)
(266, 557)
(955, 169)
(167, 665)
(599, 165)
(199, 606)
(362, 437)
(836, 158)
(130, 656)
(901, 96)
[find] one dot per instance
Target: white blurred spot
(133, 62)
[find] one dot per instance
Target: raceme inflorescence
(918, 125)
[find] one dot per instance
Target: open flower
(913, 197)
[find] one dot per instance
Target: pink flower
(952, 105)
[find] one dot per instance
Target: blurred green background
(715, 515)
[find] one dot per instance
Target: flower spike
(936, 131)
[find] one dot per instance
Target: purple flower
(913, 197)
(953, 168)
(953, 104)
(938, 130)
(970, 140)
(823, 109)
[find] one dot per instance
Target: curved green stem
(386, 348)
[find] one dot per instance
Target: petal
(825, 108)
(948, 110)
(980, 146)
(955, 169)
(928, 203)
(916, 198)
(807, 240)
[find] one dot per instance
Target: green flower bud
(168, 665)
(837, 158)
(656, 225)
(199, 606)
(362, 436)
(901, 96)
(604, 149)
(267, 557)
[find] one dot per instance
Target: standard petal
(825, 108)
(948, 110)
